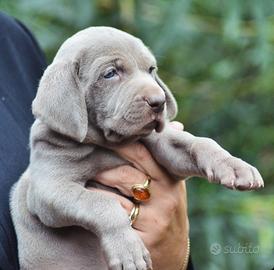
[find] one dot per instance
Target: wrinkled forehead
(107, 44)
(123, 55)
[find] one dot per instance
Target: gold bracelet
(187, 256)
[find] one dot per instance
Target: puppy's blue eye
(110, 74)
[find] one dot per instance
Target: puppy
(102, 90)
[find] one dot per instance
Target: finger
(142, 159)
(122, 178)
(177, 125)
(125, 203)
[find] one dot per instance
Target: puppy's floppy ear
(60, 102)
(171, 103)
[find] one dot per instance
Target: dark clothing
(21, 65)
(190, 265)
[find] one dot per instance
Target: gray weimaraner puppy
(102, 90)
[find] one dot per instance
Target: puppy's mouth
(157, 124)
(114, 136)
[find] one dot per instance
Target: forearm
(66, 203)
(183, 155)
(173, 149)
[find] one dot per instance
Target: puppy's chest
(101, 159)
(97, 160)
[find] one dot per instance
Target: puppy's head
(106, 78)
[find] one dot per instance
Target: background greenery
(218, 58)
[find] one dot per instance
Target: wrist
(186, 258)
(172, 251)
(171, 257)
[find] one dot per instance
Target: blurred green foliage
(218, 58)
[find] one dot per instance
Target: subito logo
(215, 249)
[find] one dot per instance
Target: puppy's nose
(156, 102)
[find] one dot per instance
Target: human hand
(162, 222)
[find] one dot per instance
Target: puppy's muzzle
(154, 96)
(156, 102)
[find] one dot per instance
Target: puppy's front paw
(124, 250)
(235, 173)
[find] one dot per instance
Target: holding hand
(162, 221)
